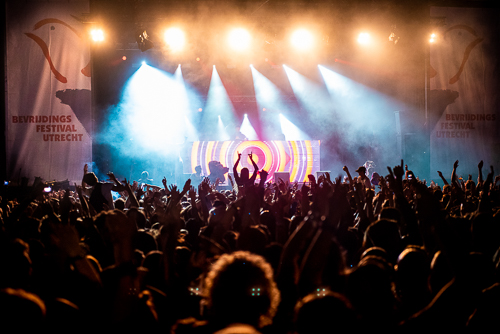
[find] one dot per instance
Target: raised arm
(131, 196)
(117, 185)
(442, 178)
(235, 172)
(85, 171)
(345, 169)
(255, 169)
(454, 174)
(480, 172)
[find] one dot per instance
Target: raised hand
(111, 175)
(282, 186)
(455, 165)
(173, 189)
(205, 185)
(479, 165)
(187, 185)
(164, 181)
(440, 174)
(399, 171)
(85, 169)
(140, 192)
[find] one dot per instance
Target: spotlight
(302, 40)
(97, 35)
(364, 38)
(124, 58)
(393, 38)
(200, 109)
(143, 62)
(239, 39)
(198, 59)
(433, 38)
(174, 37)
(143, 42)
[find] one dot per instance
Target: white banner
(463, 99)
(48, 118)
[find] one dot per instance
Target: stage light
(364, 38)
(239, 39)
(290, 130)
(269, 97)
(124, 58)
(247, 129)
(200, 109)
(97, 35)
(217, 103)
(310, 95)
(143, 62)
(221, 130)
(175, 39)
(394, 38)
(151, 99)
(433, 38)
(198, 59)
(302, 40)
(141, 37)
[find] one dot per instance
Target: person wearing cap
(363, 178)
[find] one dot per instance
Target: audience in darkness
(347, 255)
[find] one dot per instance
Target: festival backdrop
(48, 117)
(463, 98)
(299, 158)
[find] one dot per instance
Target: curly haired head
(240, 288)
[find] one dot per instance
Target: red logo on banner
(41, 43)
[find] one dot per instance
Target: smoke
(352, 112)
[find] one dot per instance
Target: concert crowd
(338, 253)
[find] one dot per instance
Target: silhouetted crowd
(344, 254)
